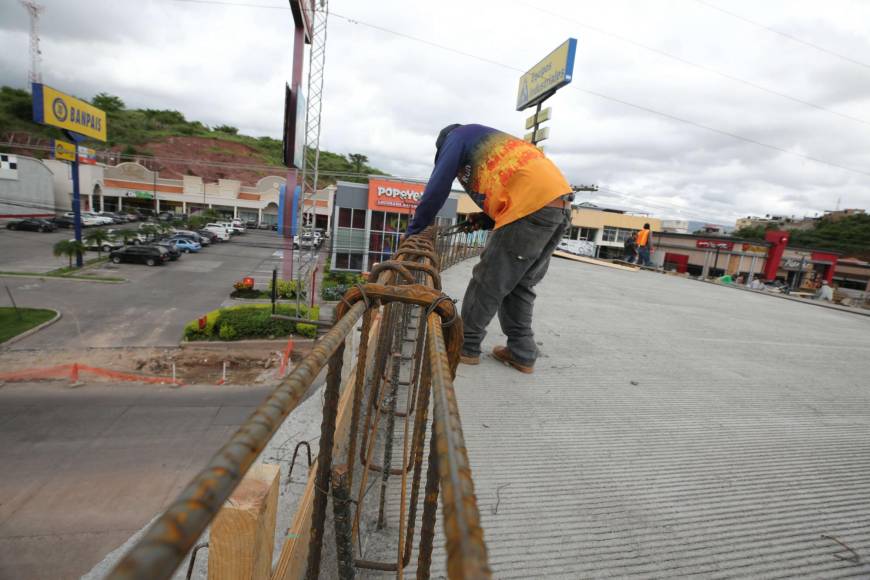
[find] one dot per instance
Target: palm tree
(68, 248)
(98, 238)
(150, 230)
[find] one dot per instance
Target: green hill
(131, 130)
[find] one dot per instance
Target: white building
(26, 187)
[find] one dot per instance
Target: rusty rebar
(430, 511)
(165, 544)
(295, 453)
(358, 386)
(324, 461)
(342, 521)
(390, 404)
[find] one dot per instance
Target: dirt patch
(192, 365)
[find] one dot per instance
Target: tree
(108, 103)
(68, 248)
(227, 129)
(149, 230)
(357, 160)
(97, 238)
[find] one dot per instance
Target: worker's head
(442, 137)
(824, 282)
(646, 226)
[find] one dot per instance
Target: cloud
(387, 96)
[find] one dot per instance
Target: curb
(280, 343)
(33, 330)
(44, 277)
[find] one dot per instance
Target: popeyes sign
(395, 196)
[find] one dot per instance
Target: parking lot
(150, 309)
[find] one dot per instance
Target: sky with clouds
(676, 108)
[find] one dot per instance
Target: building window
(611, 234)
(385, 234)
(350, 239)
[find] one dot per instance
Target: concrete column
(158, 205)
(235, 211)
(259, 215)
(120, 203)
(102, 202)
(183, 207)
(705, 270)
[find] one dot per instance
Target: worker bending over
(527, 200)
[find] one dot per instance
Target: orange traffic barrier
(72, 371)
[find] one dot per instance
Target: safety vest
(642, 238)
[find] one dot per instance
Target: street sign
(64, 150)
(546, 77)
(539, 118)
(539, 136)
(52, 107)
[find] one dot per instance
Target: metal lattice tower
(318, 11)
(34, 9)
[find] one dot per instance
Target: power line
(785, 34)
(617, 100)
(700, 66)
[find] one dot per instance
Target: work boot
(504, 355)
(469, 359)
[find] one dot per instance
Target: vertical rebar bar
(324, 461)
(358, 386)
(390, 409)
(430, 509)
(341, 519)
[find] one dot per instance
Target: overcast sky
(387, 96)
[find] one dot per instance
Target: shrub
(227, 332)
(306, 330)
(287, 289)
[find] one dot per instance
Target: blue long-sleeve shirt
(505, 176)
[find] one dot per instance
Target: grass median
(15, 321)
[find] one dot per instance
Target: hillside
(850, 236)
(145, 133)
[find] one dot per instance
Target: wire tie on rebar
(434, 305)
(365, 297)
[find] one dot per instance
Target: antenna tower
(34, 10)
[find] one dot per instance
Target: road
(84, 469)
(152, 308)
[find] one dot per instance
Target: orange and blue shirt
(508, 177)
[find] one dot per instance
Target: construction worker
(527, 201)
(644, 246)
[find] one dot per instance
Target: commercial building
(607, 228)
(26, 187)
(772, 259)
(370, 218)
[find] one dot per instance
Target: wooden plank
(294, 552)
(594, 261)
(243, 533)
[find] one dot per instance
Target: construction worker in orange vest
(527, 201)
(644, 246)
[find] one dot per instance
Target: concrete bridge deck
(671, 428)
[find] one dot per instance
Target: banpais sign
(394, 196)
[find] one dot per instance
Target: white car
(87, 220)
(101, 219)
(220, 229)
(239, 224)
(115, 234)
(233, 229)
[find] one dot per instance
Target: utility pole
(34, 10)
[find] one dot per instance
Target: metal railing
(414, 334)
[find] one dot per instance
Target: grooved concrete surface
(671, 428)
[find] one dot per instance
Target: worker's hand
(479, 221)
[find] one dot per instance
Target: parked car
(237, 223)
(149, 255)
(32, 225)
(174, 253)
(87, 220)
(116, 219)
(166, 216)
(251, 224)
(209, 235)
(305, 241)
(201, 240)
(189, 233)
(266, 226)
(130, 216)
(219, 228)
(185, 245)
(116, 235)
(233, 229)
(100, 219)
(106, 246)
(63, 222)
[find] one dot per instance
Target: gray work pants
(516, 258)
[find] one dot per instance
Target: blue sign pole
(77, 198)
